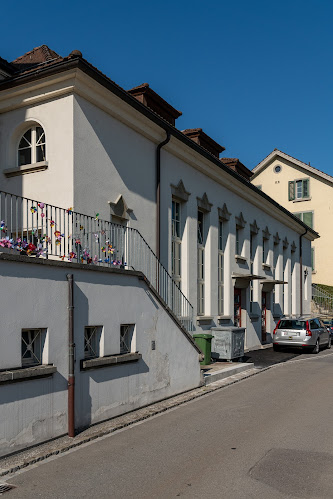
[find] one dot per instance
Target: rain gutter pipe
(158, 193)
(301, 271)
(71, 358)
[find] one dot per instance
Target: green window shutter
(298, 215)
(308, 218)
(291, 190)
(306, 188)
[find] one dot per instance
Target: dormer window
(32, 146)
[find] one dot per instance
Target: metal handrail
(43, 230)
(322, 300)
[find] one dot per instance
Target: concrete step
(225, 372)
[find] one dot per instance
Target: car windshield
(292, 324)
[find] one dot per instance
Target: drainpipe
(301, 271)
(71, 360)
(158, 193)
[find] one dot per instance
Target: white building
(71, 137)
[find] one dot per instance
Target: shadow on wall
(90, 391)
(111, 150)
(30, 389)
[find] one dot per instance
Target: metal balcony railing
(42, 230)
(322, 301)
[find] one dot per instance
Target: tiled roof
(38, 55)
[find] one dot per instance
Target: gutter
(71, 359)
(95, 74)
(158, 193)
(301, 271)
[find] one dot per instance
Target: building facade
(211, 248)
(308, 194)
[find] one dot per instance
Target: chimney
(235, 165)
(199, 136)
(143, 93)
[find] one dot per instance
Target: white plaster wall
(112, 159)
(35, 295)
(54, 185)
(174, 170)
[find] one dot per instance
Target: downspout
(71, 359)
(158, 193)
(301, 271)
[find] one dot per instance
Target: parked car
(301, 332)
(329, 324)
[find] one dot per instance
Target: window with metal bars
(31, 346)
(92, 337)
(127, 339)
(32, 146)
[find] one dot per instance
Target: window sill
(266, 266)
(24, 169)
(301, 199)
(111, 360)
(240, 258)
(27, 373)
(224, 317)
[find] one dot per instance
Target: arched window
(32, 146)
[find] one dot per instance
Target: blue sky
(254, 75)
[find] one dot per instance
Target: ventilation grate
(5, 487)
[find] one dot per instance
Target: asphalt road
(268, 436)
(267, 357)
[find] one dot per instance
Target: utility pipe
(301, 270)
(158, 193)
(71, 359)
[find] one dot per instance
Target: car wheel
(276, 348)
(329, 344)
(316, 348)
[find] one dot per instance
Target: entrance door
(237, 307)
(263, 315)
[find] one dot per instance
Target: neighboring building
(71, 137)
(308, 194)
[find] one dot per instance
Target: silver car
(301, 332)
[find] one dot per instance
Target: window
(92, 336)
(201, 265)
(237, 241)
(31, 347)
(252, 256)
(32, 146)
(306, 217)
(277, 168)
(200, 227)
(220, 267)
(127, 338)
(298, 189)
(312, 259)
(176, 242)
(264, 249)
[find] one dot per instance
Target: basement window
(127, 338)
(32, 346)
(92, 339)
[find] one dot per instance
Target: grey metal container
(227, 342)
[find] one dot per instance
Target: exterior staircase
(322, 301)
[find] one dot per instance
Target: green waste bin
(204, 342)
